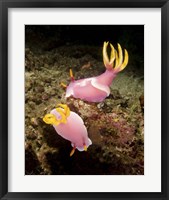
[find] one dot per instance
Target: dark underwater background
(115, 126)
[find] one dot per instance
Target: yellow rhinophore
(63, 85)
(64, 112)
(71, 75)
(51, 119)
(66, 109)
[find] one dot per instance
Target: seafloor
(115, 126)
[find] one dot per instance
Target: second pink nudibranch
(96, 89)
(70, 126)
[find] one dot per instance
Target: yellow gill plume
(116, 60)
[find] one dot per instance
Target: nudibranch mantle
(70, 126)
(96, 89)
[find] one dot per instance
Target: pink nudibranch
(70, 126)
(96, 89)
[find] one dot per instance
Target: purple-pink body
(94, 89)
(73, 130)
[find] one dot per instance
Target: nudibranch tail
(116, 60)
(85, 148)
(73, 151)
(64, 112)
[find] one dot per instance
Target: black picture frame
(4, 5)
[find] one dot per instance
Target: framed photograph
(84, 97)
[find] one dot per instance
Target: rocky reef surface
(115, 126)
